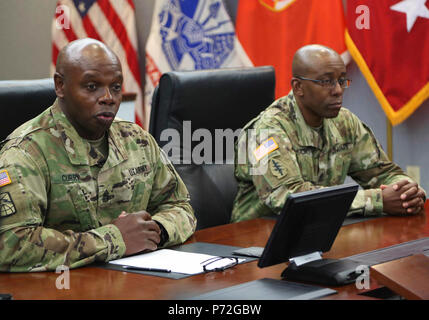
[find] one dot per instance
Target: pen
(146, 269)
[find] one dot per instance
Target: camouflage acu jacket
(54, 211)
(278, 154)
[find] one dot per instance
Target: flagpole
(389, 139)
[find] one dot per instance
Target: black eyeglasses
(219, 263)
(329, 83)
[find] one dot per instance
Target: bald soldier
(308, 140)
(82, 186)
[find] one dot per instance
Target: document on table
(176, 261)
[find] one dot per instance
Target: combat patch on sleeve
(265, 148)
(7, 207)
(4, 178)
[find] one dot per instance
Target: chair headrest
(26, 91)
(22, 100)
(211, 99)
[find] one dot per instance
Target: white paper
(306, 258)
(176, 261)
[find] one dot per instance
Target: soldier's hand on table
(139, 231)
(403, 197)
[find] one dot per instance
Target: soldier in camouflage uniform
(305, 140)
(76, 183)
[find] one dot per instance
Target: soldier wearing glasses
(307, 140)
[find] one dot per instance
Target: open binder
(196, 247)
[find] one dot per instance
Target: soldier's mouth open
(105, 116)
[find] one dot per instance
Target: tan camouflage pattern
(57, 212)
(308, 159)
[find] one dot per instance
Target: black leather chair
(211, 100)
(22, 100)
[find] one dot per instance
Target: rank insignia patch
(7, 207)
(4, 178)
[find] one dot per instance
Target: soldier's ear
(297, 87)
(59, 84)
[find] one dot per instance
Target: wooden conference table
(94, 283)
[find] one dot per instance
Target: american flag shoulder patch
(4, 178)
(265, 148)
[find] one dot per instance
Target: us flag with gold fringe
(109, 21)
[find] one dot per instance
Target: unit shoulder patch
(277, 168)
(7, 207)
